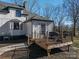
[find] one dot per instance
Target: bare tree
(73, 11)
(78, 25)
(56, 14)
(33, 7)
(48, 11)
(18, 2)
(59, 17)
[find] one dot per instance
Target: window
(16, 26)
(18, 13)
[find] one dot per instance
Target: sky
(53, 2)
(42, 2)
(10, 1)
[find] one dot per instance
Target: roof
(14, 20)
(39, 20)
(36, 17)
(15, 7)
(4, 5)
(40, 17)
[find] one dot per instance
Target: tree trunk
(74, 29)
(58, 27)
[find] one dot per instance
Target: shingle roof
(33, 16)
(36, 16)
(4, 5)
(14, 20)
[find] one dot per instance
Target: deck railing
(55, 38)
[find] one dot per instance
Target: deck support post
(28, 40)
(48, 53)
(68, 47)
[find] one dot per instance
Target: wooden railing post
(28, 40)
(72, 37)
(47, 37)
(48, 53)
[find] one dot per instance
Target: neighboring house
(15, 21)
(11, 18)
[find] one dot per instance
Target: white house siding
(5, 24)
(24, 26)
(50, 27)
(36, 28)
(28, 28)
(4, 28)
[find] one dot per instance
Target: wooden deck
(48, 45)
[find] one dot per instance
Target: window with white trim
(16, 26)
(18, 13)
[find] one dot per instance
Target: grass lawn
(76, 42)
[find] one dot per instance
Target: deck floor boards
(46, 44)
(50, 45)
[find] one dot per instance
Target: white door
(36, 31)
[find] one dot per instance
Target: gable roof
(14, 7)
(14, 20)
(4, 5)
(35, 17)
(38, 20)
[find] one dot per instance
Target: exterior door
(43, 30)
(36, 31)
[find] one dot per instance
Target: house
(15, 21)
(38, 27)
(11, 19)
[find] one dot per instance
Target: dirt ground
(35, 52)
